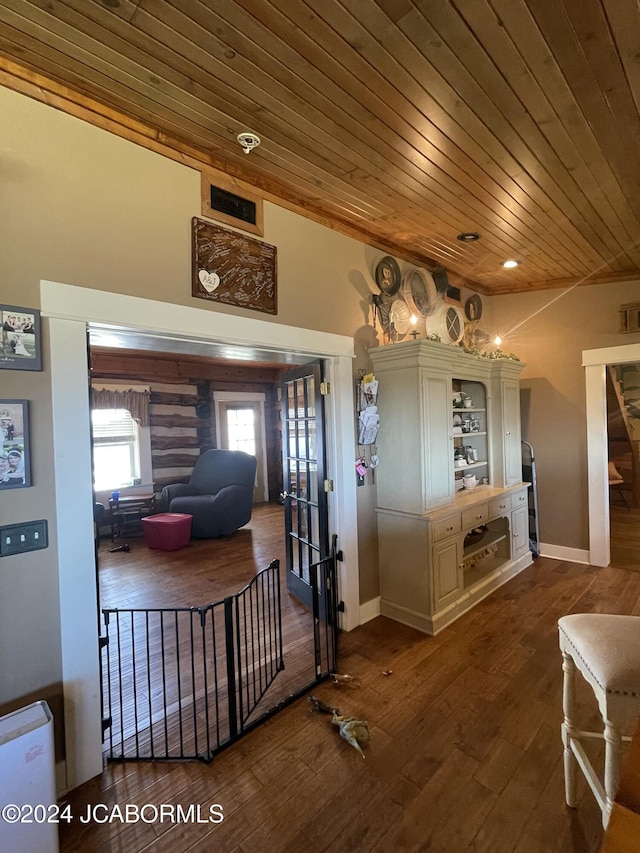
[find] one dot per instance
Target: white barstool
(606, 650)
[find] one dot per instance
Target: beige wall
(551, 343)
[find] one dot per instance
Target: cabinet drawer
(472, 517)
(447, 527)
(519, 499)
(500, 506)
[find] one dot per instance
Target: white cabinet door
(519, 532)
(447, 571)
(511, 432)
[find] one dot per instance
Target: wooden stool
(606, 650)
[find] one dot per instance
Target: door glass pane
(292, 439)
(300, 405)
(315, 528)
(311, 397)
(311, 440)
(305, 562)
(295, 560)
(312, 473)
(304, 525)
(294, 516)
(302, 444)
(291, 400)
(241, 430)
(292, 485)
(302, 482)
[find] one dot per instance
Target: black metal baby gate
(185, 682)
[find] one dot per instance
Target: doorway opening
(623, 437)
(596, 363)
(69, 310)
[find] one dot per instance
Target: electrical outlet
(20, 538)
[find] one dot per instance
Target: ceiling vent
(232, 205)
(227, 201)
(630, 317)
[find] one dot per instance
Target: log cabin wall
(182, 414)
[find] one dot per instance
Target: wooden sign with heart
(233, 268)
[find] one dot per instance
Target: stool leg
(613, 744)
(568, 729)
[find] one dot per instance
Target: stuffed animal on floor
(353, 731)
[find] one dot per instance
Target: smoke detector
(248, 141)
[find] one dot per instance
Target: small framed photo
(20, 340)
(15, 457)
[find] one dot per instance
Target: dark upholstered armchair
(218, 495)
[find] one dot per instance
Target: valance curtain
(135, 402)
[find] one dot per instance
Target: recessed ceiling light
(509, 265)
(468, 237)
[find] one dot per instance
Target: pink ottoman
(167, 531)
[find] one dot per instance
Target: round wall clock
(419, 291)
(473, 307)
(388, 276)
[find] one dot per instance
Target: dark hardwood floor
(625, 536)
(465, 751)
(206, 570)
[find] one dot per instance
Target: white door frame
(595, 362)
(68, 310)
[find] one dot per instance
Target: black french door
(304, 474)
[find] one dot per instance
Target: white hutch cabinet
(444, 415)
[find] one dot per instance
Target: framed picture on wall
(15, 456)
(20, 338)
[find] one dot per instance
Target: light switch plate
(21, 538)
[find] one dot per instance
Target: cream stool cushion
(605, 648)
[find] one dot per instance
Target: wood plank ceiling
(403, 123)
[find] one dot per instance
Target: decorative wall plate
(473, 307)
(388, 276)
(400, 317)
(453, 324)
(419, 291)
(447, 322)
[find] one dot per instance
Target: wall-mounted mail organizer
(368, 424)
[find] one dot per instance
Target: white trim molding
(561, 552)
(369, 610)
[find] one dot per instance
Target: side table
(127, 512)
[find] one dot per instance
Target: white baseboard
(369, 610)
(560, 552)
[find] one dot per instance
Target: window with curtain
(116, 449)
